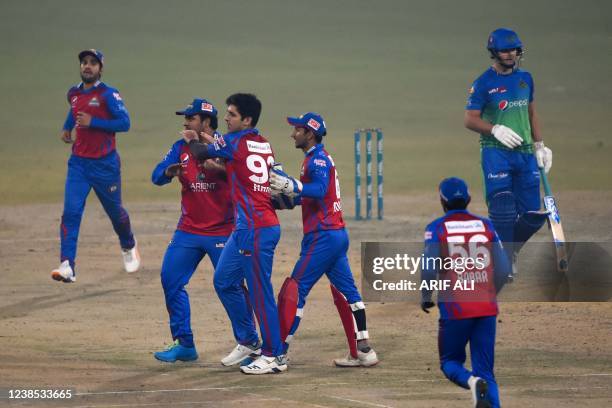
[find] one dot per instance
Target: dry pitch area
(97, 336)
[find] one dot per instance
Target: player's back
(248, 174)
(465, 246)
(323, 213)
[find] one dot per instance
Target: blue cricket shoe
(176, 352)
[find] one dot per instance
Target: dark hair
(247, 104)
(456, 204)
(214, 123)
(318, 138)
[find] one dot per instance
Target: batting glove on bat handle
(543, 155)
(506, 136)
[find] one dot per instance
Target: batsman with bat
(325, 243)
(501, 109)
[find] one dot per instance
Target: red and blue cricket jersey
(206, 207)
(109, 116)
(248, 160)
(454, 239)
(320, 197)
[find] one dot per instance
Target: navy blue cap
(97, 54)
(503, 39)
(454, 188)
(199, 106)
(310, 120)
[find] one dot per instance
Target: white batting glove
(280, 181)
(543, 155)
(506, 136)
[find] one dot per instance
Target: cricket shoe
(241, 352)
(131, 258)
(64, 273)
(266, 365)
(364, 359)
(479, 389)
(176, 352)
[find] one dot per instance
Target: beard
(89, 78)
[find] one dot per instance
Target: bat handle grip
(547, 190)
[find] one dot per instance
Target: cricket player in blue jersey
(501, 109)
(96, 113)
(325, 243)
(481, 266)
(206, 221)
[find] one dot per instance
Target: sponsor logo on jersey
(302, 171)
(112, 188)
(263, 189)
(314, 124)
(495, 176)
(74, 99)
(220, 245)
(207, 107)
(505, 104)
(184, 159)
(428, 235)
(94, 102)
(117, 96)
(464, 227)
(199, 187)
(259, 147)
(319, 162)
(219, 142)
(501, 89)
(337, 206)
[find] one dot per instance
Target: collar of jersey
(241, 133)
(313, 148)
(80, 86)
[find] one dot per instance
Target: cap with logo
(454, 188)
(312, 121)
(97, 54)
(199, 106)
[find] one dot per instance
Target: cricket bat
(554, 221)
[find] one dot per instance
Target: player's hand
(506, 136)
(544, 156)
(189, 135)
(66, 136)
(83, 119)
(174, 170)
(425, 306)
(280, 181)
(210, 139)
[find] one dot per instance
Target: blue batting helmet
(503, 39)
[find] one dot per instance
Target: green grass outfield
(403, 66)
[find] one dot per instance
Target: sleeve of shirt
(120, 118)
(220, 148)
(502, 267)
(158, 176)
(69, 122)
(428, 271)
(477, 98)
(318, 170)
(531, 87)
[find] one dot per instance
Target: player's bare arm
(474, 122)
(543, 154)
(66, 136)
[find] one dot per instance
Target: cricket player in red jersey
(97, 112)
(206, 221)
(249, 251)
(477, 270)
(325, 242)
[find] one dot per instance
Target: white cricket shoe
(368, 359)
(131, 258)
(266, 365)
(479, 389)
(64, 273)
(242, 352)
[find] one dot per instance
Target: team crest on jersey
(523, 84)
(184, 159)
(259, 147)
(207, 107)
(94, 102)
